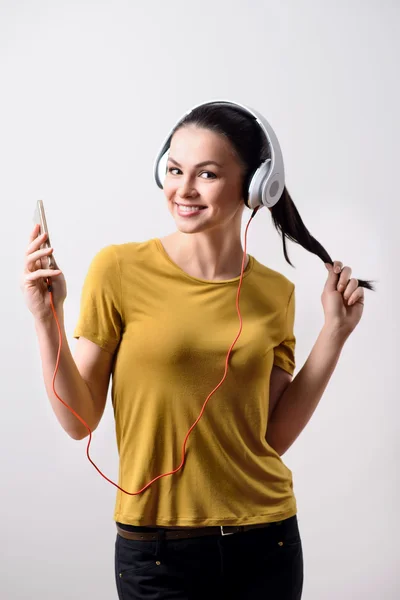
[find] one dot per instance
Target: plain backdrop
(89, 90)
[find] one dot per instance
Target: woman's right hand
(33, 284)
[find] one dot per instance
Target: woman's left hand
(342, 299)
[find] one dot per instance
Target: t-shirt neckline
(165, 254)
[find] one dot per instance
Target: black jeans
(264, 563)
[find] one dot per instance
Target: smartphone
(40, 218)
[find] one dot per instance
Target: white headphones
(268, 181)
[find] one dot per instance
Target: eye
(209, 173)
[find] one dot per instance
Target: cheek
(169, 189)
(229, 195)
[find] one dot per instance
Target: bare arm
(82, 383)
(279, 381)
(301, 397)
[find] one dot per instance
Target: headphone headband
(268, 181)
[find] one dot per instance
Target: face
(203, 184)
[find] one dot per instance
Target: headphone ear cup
(265, 187)
(162, 168)
(255, 195)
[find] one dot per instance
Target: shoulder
(129, 251)
(115, 254)
(274, 279)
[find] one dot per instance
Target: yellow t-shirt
(171, 333)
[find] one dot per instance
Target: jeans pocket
(288, 533)
(290, 542)
(134, 556)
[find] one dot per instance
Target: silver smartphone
(40, 218)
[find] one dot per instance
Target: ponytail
(289, 224)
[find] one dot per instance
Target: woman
(160, 317)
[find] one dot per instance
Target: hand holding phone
(39, 266)
(39, 217)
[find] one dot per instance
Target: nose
(186, 188)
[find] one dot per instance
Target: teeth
(190, 208)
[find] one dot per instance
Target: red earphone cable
(48, 281)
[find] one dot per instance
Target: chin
(191, 227)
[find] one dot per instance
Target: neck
(211, 255)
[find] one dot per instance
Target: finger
(41, 273)
(344, 279)
(35, 243)
(332, 281)
(357, 297)
(46, 264)
(34, 233)
(351, 288)
(337, 266)
(32, 261)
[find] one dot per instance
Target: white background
(89, 90)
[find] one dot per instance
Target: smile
(188, 210)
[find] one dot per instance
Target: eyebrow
(202, 164)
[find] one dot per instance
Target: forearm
(300, 399)
(68, 384)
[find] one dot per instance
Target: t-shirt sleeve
(100, 318)
(284, 353)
